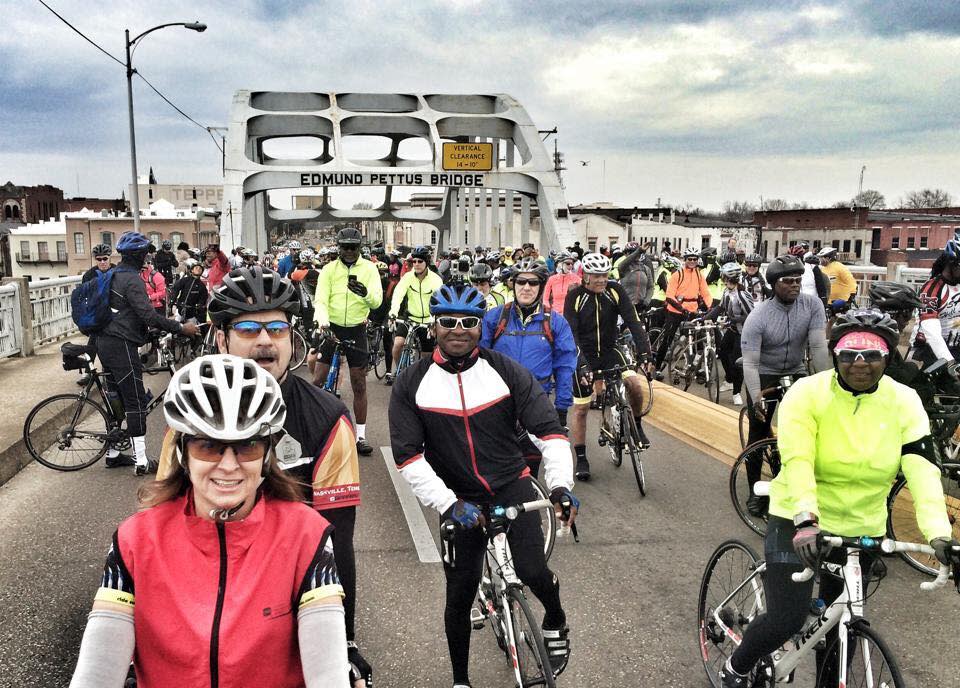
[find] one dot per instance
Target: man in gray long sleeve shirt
(774, 339)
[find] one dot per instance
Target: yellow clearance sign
(468, 156)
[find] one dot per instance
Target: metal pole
(135, 195)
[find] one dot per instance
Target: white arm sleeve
(933, 332)
(105, 650)
(557, 461)
(427, 485)
(323, 646)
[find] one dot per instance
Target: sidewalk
(23, 383)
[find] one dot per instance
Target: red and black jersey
(462, 418)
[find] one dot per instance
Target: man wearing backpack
(537, 339)
(118, 340)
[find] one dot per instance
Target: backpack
(547, 332)
(90, 303)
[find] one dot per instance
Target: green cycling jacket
(336, 304)
(840, 455)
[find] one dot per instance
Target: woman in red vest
(226, 578)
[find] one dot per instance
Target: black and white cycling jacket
(453, 428)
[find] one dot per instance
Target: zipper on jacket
(466, 425)
(221, 593)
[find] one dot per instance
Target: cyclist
(775, 337)
(711, 270)
(480, 276)
(165, 261)
(844, 435)
(687, 293)
(592, 309)
(252, 310)
(536, 338)
(249, 257)
(505, 286)
(215, 266)
(101, 258)
(452, 427)
(753, 280)
(634, 271)
(411, 299)
(735, 303)
(156, 286)
(937, 332)
(290, 261)
(559, 284)
(346, 291)
(189, 294)
(117, 343)
(167, 590)
(843, 286)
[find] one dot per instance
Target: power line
(122, 64)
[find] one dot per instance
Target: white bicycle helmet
(691, 253)
(224, 397)
(731, 270)
(294, 245)
(596, 264)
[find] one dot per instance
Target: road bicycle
(694, 358)
(376, 358)
(410, 353)
(618, 427)
(771, 396)
(765, 454)
(67, 432)
(501, 600)
(732, 597)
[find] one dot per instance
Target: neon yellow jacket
(504, 291)
(417, 293)
(334, 303)
(840, 455)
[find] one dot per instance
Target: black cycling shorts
(610, 358)
(354, 348)
(423, 335)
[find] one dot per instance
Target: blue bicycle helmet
(132, 241)
(952, 248)
(458, 298)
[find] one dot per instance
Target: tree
(363, 205)
(927, 198)
(775, 204)
(870, 198)
(737, 211)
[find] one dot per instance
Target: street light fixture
(135, 196)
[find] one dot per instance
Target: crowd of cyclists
(261, 464)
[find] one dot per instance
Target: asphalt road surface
(629, 587)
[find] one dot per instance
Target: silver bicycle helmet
(596, 264)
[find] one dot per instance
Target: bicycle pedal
(477, 619)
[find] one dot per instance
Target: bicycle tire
(713, 373)
(530, 651)
(902, 522)
(744, 425)
(729, 565)
(653, 334)
(648, 397)
(548, 520)
(885, 672)
(375, 347)
(42, 433)
(300, 349)
(739, 489)
(632, 444)
(610, 431)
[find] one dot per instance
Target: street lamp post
(130, 47)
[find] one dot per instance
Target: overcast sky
(696, 102)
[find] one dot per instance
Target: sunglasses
(250, 329)
(205, 449)
(854, 355)
(691, 258)
(791, 280)
(526, 282)
(102, 259)
(467, 322)
(417, 260)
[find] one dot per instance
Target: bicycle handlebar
(449, 527)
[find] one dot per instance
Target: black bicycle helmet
(784, 266)
(252, 289)
(421, 252)
(865, 320)
(753, 259)
(893, 296)
(166, 244)
(349, 235)
(480, 272)
(102, 250)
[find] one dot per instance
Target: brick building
(79, 203)
(30, 204)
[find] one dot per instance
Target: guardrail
(50, 306)
(868, 274)
(10, 343)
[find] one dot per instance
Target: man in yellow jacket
(347, 289)
(843, 286)
(411, 299)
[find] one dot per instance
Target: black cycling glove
(359, 667)
(357, 288)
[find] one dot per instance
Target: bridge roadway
(630, 586)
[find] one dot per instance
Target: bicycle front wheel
(299, 356)
(870, 663)
(712, 368)
(724, 594)
(631, 442)
(66, 432)
(532, 665)
(646, 382)
(548, 520)
(765, 454)
(610, 430)
(902, 519)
